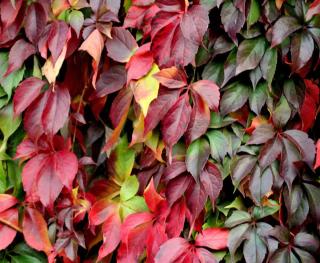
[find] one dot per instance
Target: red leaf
(199, 120)
(26, 149)
(8, 225)
(27, 91)
(309, 106)
(122, 45)
(209, 92)
(172, 250)
(111, 235)
(35, 22)
(214, 238)
(19, 52)
(156, 237)
(56, 112)
(176, 188)
(7, 201)
(66, 167)
(205, 256)
(172, 78)
(175, 122)
(153, 199)
(175, 36)
(176, 218)
(35, 230)
(314, 9)
(317, 163)
(140, 17)
(101, 211)
(159, 107)
(140, 63)
(212, 181)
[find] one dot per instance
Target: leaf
(129, 188)
(140, 63)
(242, 168)
(153, 199)
(35, 22)
(57, 39)
(281, 113)
(209, 92)
(8, 226)
(76, 20)
(214, 238)
(284, 27)
(122, 45)
(121, 160)
(237, 218)
(196, 198)
(263, 211)
(254, 12)
(111, 81)
(175, 122)
(314, 9)
(218, 144)
(7, 201)
(27, 91)
(145, 90)
(236, 237)
(302, 47)
(25, 254)
(211, 180)
(19, 52)
(56, 111)
(317, 162)
(199, 119)
(94, 46)
(258, 98)
(254, 249)
(269, 152)
(197, 156)
(232, 19)
(172, 78)
(234, 98)
(313, 198)
(101, 211)
(249, 54)
(306, 241)
(159, 107)
(260, 184)
(35, 230)
(262, 134)
(8, 123)
(268, 64)
(181, 27)
(171, 250)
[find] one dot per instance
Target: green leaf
(237, 217)
(197, 156)
(134, 205)
(254, 249)
(214, 71)
(264, 211)
(282, 113)
(268, 64)
(237, 204)
(254, 12)
(235, 96)
(129, 188)
(218, 144)
(122, 160)
(25, 254)
(250, 53)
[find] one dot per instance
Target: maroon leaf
(302, 47)
(284, 26)
(19, 52)
(56, 110)
(212, 181)
(57, 38)
(175, 122)
(262, 134)
(159, 108)
(9, 12)
(122, 45)
(196, 198)
(176, 188)
(27, 91)
(35, 22)
(199, 120)
(269, 152)
(111, 81)
(242, 168)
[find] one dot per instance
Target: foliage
(159, 131)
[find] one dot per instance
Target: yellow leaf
(146, 89)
